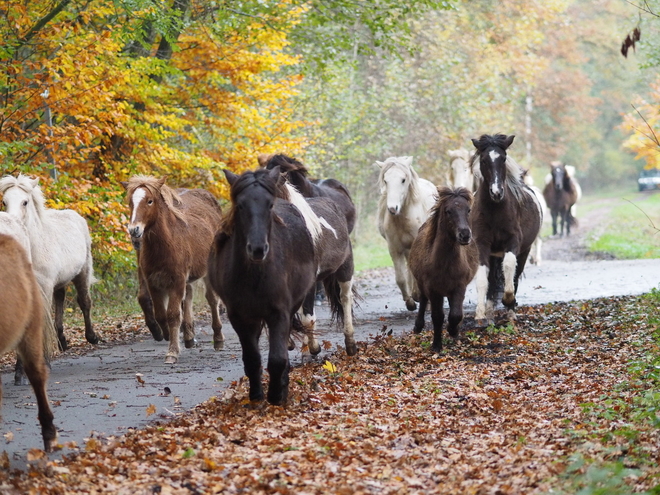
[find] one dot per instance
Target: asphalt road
(113, 389)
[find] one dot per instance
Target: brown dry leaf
(35, 454)
(151, 409)
(139, 378)
(4, 460)
(9, 436)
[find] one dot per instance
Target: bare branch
(644, 8)
(654, 138)
(651, 221)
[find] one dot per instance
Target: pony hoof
(190, 343)
(171, 360)
(63, 345)
(351, 349)
(93, 340)
(418, 328)
(158, 336)
(314, 351)
(509, 300)
(21, 380)
(218, 345)
(411, 305)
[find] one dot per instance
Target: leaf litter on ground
(507, 409)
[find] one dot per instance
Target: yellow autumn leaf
(330, 367)
(151, 409)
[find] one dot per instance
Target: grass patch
(631, 231)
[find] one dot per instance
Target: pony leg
(554, 214)
(419, 321)
(278, 358)
(19, 373)
(147, 305)
(509, 264)
(401, 273)
(346, 297)
(482, 288)
(173, 322)
(308, 320)
(82, 283)
(187, 324)
(159, 302)
(438, 319)
(248, 334)
(58, 301)
(30, 350)
(455, 312)
(216, 323)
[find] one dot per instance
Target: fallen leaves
(501, 412)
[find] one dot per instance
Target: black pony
(264, 261)
(505, 219)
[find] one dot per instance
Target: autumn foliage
(138, 88)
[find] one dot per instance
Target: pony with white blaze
(60, 245)
(405, 202)
(506, 219)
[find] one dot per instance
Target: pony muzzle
(135, 232)
(257, 254)
(464, 236)
(394, 210)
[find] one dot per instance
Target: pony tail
(332, 292)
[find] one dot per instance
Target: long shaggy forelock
(286, 164)
(411, 175)
(24, 183)
(170, 197)
(262, 178)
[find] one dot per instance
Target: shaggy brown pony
(444, 259)
(21, 326)
(173, 231)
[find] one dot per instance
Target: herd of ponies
(281, 236)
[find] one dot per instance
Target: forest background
(92, 92)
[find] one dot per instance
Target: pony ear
(230, 176)
(277, 175)
(453, 153)
(34, 182)
(263, 158)
(407, 160)
(508, 141)
(475, 142)
(379, 164)
(124, 184)
(161, 181)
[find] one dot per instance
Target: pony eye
(25, 202)
(150, 202)
(403, 181)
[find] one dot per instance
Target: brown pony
(560, 194)
(174, 231)
(443, 260)
(21, 326)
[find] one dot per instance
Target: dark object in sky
(630, 41)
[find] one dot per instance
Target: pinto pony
(335, 249)
(443, 260)
(404, 205)
(21, 326)
(174, 231)
(264, 262)
(506, 219)
(561, 194)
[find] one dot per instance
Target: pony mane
(154, 186)
(25, 183)
(411, 175)
(312, 221)
(437, 212)
(286, 164)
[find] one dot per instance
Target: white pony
(60, 246)
(461, 171)
(404, 204)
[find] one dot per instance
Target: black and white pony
(506, 218)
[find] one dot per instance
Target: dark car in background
(649, 179)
